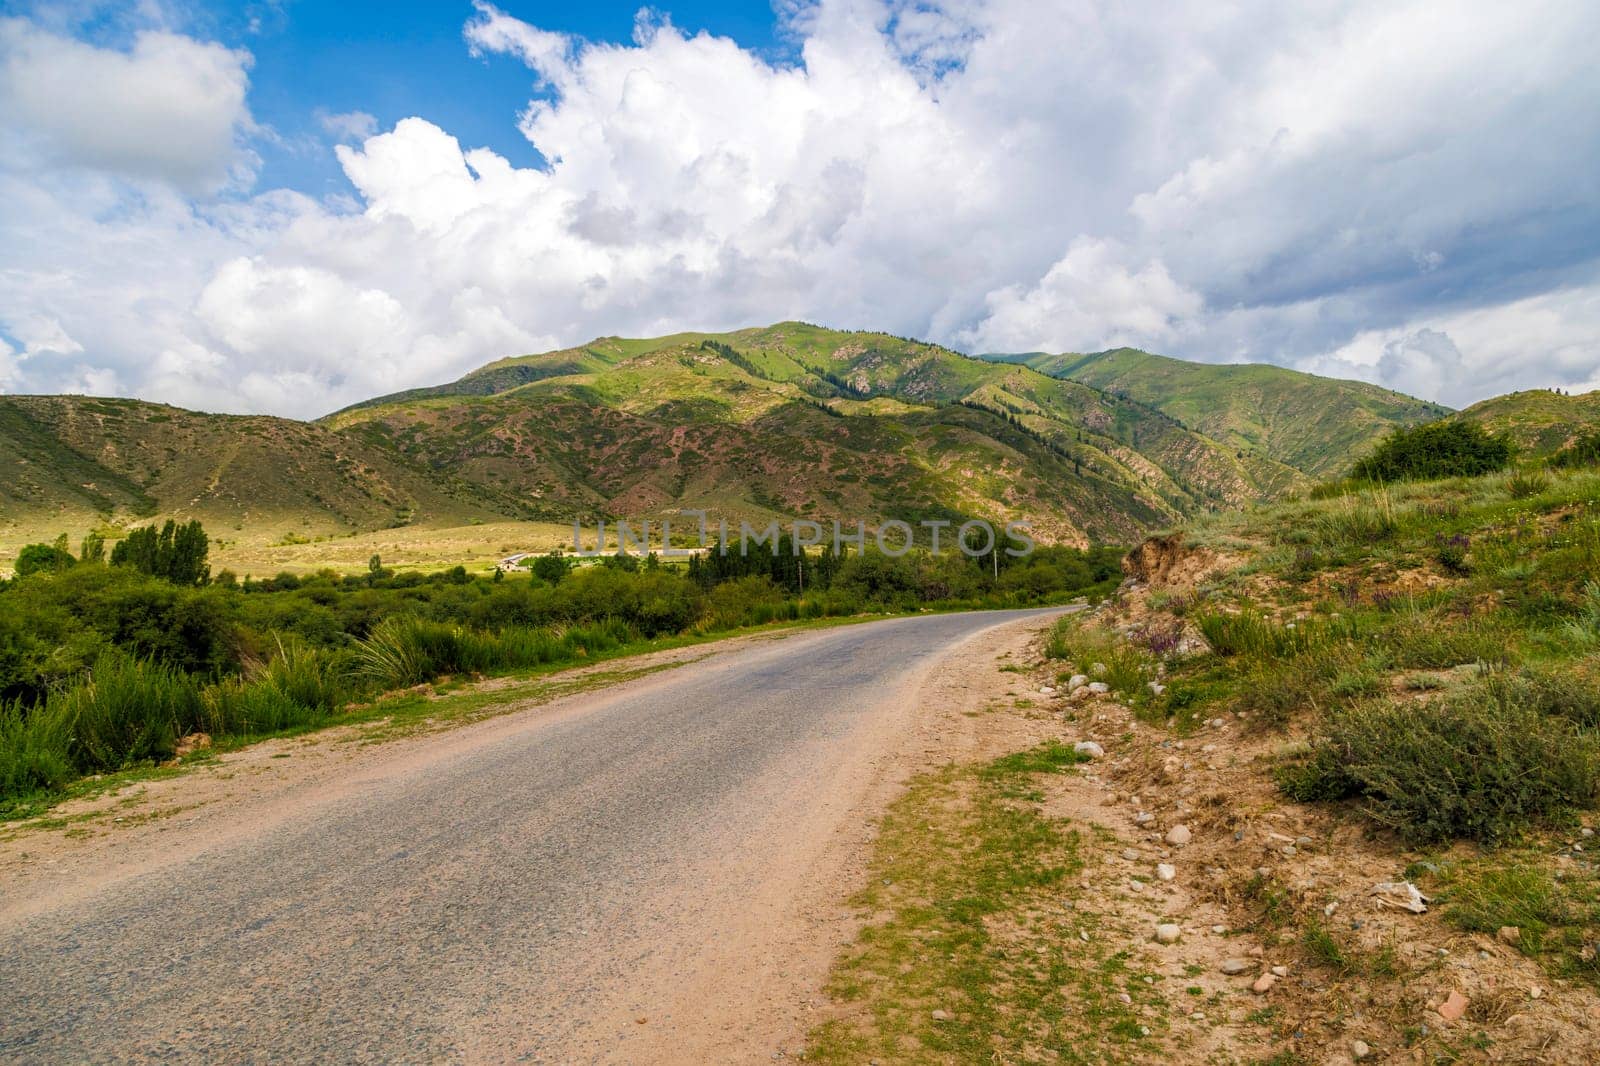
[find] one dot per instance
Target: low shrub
(1585, 451)
(1524, 485)
(1482, 766)
(1451, 553)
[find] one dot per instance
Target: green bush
(1435, 450)
(33, 753)
(1482, 766)
(43, 559)
(126, 711)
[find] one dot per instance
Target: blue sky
(395, 60)
(289, 206)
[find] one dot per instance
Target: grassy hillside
(73, 463)
(1337, 802)
(799, 420)
(1538, 423)
(791, 420)
(1313, 424)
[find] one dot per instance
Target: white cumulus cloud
(171, 107)
(1400, 190)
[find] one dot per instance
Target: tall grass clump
(1524, 485)
(406, 651)
(1249, 635)
(1359, 519)
(400, 652)
(1482, 766)
(33, 753)
(298, 687)
(126, 711)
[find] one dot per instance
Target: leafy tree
(93, 549)
(550, 568)
(1435, 450)
(174, 553)
(43, 558)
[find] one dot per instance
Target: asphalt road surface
(515, 898)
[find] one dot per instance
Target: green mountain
(795, 419)
(791, 420)
(1538, 422)
(74, 462)
(1313, 424)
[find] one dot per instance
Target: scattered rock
(1046, 690)
(1130, 855)
(1280, 971)
(1509, 934)
(1264, 984)
(1166, 871)
(1235, 967)
(941, 1016)
(1077, 681)
(1099, 688)
(1360, 1049)
(1143, 818)
(1089, 748)
(1168, 934)
(1178, 836)
(1535, 992)
(1454, 1006)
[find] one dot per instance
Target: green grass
(965, 918)
(1435, 640)
(1557, 917)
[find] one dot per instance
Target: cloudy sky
(288, 206)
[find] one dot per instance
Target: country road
(614, 878)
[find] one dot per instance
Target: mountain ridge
(790, 420)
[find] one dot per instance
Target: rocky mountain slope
(791, 420)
